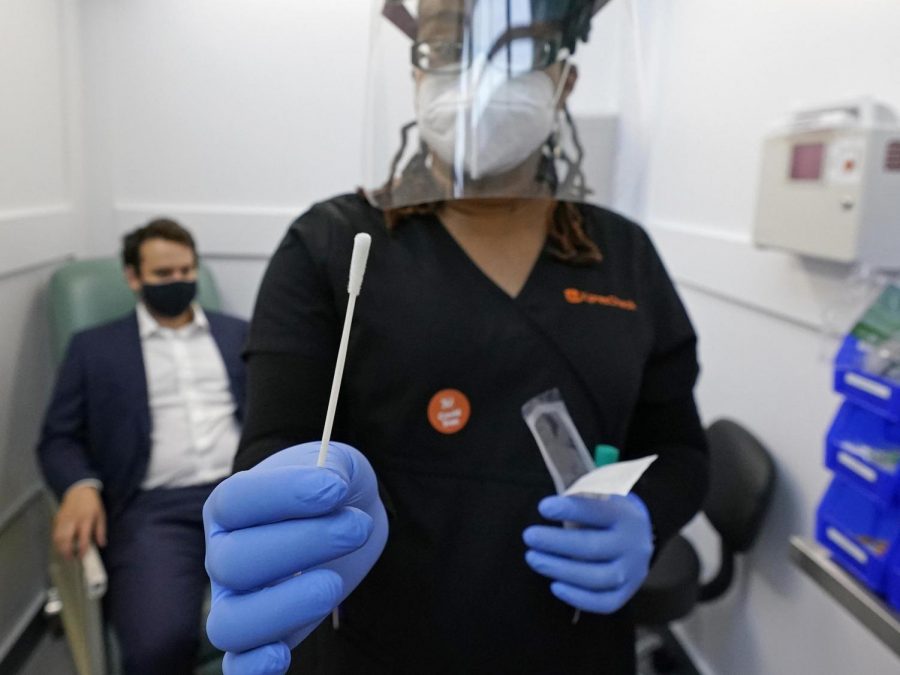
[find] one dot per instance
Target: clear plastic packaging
(564, 452)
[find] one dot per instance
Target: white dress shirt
(194, 433)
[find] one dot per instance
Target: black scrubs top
(452, 592)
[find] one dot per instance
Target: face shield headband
(574, 15)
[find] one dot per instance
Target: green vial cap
(605, 454)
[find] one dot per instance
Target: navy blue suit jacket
(98, 421)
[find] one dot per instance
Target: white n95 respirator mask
(490, 129)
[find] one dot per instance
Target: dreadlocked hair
(567, 240)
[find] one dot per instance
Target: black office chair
(742, 480)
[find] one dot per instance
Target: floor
(660, 653)
(52, 656)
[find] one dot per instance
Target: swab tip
(361, 244)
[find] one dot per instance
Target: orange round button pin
(449, 411)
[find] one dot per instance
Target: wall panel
(33, 160)
(727, 72)
(40, 226)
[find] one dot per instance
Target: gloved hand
(286, 542)
(601, 564)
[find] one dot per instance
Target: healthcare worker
(432, 533)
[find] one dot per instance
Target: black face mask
(169, 299)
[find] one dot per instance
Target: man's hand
(80, 520)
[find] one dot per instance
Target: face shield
(473, 99)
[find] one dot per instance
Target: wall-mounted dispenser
(830, 185)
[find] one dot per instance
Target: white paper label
(612, 479)
(868, 386)
(847, 546)
(857, 467)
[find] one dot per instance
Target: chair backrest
(742, 480)
(88, 293)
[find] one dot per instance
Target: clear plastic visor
(473, 99)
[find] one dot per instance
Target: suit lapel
(131, 358)
(230, 351)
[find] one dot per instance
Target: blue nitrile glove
(286, 542)
(599, 565)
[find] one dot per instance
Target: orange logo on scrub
(577, 297)
(449, 411)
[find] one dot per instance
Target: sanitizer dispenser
(830, 185)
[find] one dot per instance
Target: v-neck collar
(476, 272)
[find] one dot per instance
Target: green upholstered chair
(89, 293)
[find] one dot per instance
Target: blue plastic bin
(861, 533)
(878, 394)
(893, 584)
(865, 448)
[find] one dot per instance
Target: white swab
(361, 244)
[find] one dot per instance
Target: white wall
(40, 226)
(233, 117)
(731, 69)
(726, 72)
(770, 375)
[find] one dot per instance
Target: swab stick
(361, 244)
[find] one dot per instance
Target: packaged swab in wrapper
(564, 452)
(567, 457)
(568, 460)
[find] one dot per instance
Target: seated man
(143, 422)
